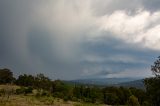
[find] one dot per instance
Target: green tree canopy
(25, 80)
(133, 101)
(42, 82)
(6, 76)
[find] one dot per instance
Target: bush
(42, 93)
(24, 90)
(45, 93)
(111, 99)
(66, 98)
(38, 95)
(145, 103)
(133, 101)
(2, 92)
(20, 90)
(28, 90)
(74, 98)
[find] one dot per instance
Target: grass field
(29, 100)
(32, 100)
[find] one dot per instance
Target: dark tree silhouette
(25, 80)
(42, 82)
(156, 67)
(153, 84)
(6, 76)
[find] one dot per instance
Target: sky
(74, 39)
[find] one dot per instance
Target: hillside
(136, 84)
(126, 82)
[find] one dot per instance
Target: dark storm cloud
(107, 58)
(57, 38)
(16, 19)
(44, 48)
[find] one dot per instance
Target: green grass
(30, 100)
(87, 104)
(33, 100)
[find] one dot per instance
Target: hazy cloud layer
(78, 39)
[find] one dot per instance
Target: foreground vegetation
(41, 86)
(33, 100)
(39, 90)
(34, 89)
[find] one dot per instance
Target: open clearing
(29, 100)
(33, 100)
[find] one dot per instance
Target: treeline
(88, 93)
(80, 93)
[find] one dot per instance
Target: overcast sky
(72, 39)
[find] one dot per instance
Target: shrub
(38, 95)
(44, 93)
(20, 90)
(28, 90)
(24, 90)
(2, 92)
(66, 98)
(133, 101)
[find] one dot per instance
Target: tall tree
(156, 67)
(153, 84)
(6, 76)
(25, 80)
(42, 82)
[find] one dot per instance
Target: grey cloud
(143, 57)
(103, 7)
(33, 41)
(151, 5)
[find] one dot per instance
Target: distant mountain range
(126, 82)
(136, 83)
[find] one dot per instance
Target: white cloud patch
(141, 28)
